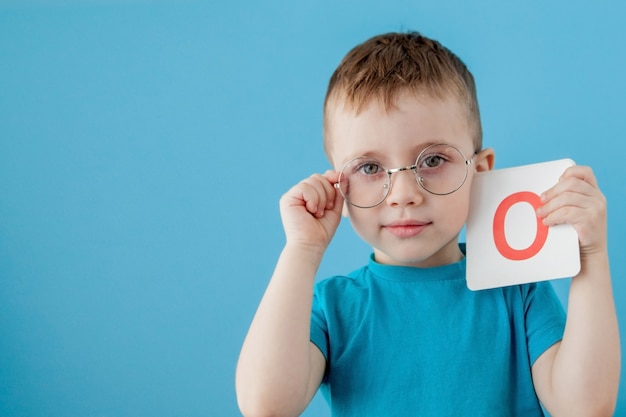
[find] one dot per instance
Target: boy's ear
(484, 160)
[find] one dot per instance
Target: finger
(573, 184)
(333, 178)
(575, 199)
(328, 191)
(579, 210)
(303, 194)
(320, 194)
(590, 225)
(327, 181)
(584, 173)
(565, 213)
(313, 197)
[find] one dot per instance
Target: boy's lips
(406, 228)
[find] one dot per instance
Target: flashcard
(507, 244)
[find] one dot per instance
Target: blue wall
(144, 146)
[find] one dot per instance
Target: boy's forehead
(411, 120)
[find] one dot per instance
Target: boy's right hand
(311, 211)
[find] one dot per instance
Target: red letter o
(498, 227)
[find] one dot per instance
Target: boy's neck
(447, 256)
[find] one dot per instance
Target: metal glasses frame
(413, 168)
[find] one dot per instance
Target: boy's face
(411, 226)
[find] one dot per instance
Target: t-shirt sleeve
(544, 318)
(319, 324)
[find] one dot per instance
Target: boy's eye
(370, 168)
(432, 161)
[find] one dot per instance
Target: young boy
(403, 336)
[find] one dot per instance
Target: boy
(403, 336)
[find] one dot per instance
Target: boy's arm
(279, 369)
(579, 376)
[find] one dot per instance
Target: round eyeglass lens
(364, 182)
(441, 169)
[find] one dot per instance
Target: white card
(506, 242)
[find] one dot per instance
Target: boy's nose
(405, 189)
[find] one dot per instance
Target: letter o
(498, 227)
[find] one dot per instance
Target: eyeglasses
(440, 169)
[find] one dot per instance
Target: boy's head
(402, 128)
(386, 66)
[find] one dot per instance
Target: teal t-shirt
(403, 341)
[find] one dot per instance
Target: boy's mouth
(406, 228)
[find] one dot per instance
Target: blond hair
(387, 65)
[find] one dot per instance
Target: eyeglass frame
(413, 168)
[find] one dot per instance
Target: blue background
(144, 146)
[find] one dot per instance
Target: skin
(411, 227)
(280, 370)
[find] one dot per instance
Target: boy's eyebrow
(370, 154)
(382, 155)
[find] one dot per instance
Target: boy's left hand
(577, 200)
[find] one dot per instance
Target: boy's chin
(422, 259)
